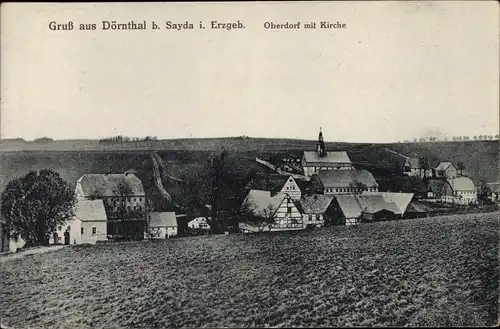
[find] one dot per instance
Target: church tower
(321, 144)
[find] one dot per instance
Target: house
(334, 182)
(280, 208)
(162, 225)
(124, 200)
(89, 225)
(314, 161)
(401, 200)
(375, 208)
(354, 209)
(415, 210)
(460, 190)
(279, 184)
(199, 223)
(315, 209)
(446, 170)
(412, 167)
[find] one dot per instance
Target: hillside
(480, 158)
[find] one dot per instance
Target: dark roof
(315, 204)
(109, 184)
(344, 178)
(163, 219)
(416, 206)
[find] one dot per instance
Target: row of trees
(126, 139)
(454, 138)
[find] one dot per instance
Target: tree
(496, 136)
(461, 167)
(215, 189)
(424, 165)
(34, 205)
(358, 186)
(263, 220)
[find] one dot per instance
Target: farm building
(279, 184)
(314, 161)
(124, 200)
(162, 225)
(335, 182)
(353, 209)
(459, 190)
(401, 200)
(281, 208)
(315, 209)
(446, 170)
(416, 210)
(199, 223)
(89, 225)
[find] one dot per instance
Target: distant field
(435, 271)
(481, 158)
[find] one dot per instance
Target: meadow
(440, 271)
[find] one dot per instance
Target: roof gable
(444, 166)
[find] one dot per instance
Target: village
(323, 188)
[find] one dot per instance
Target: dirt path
(36, 251)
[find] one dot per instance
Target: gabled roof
(261, 202)
(110, 184)
(401, 200)
(444, 165)
(90, 210)
(349, 205)
(461, 184)
(416, 206)
(374, 203)
(353, 206)
(343, 178)
(414, 163)
(312, 157)
(315, 204)
(162, 219)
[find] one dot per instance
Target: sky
(398, 71)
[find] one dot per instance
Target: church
(314, 161)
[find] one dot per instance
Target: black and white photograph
(249, 164)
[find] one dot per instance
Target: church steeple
(321, 144)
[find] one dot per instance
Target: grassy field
(435, 271)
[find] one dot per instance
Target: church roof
(312, 157)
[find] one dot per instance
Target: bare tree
(424, 165)
(461, 167)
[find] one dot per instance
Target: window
(289, 210)
(81, 230)
(135, 207)
(59, 228)
(94, 230)
(318, 217)
(310, 217)
(336, 189)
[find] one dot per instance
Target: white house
(162, 225)
(335, 182)
(446, 170)
(412, 167)
(199, 223)
(89, 225)
(460, 190)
